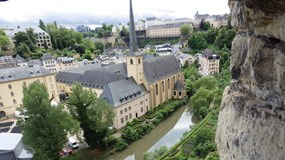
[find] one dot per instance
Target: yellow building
(12, 81)
(164, 30)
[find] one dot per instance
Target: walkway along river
(167, 133)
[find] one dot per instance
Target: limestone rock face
(252, 118)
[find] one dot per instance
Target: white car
(72, 142)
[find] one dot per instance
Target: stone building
(12, 81)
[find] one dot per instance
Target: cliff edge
(251, 122)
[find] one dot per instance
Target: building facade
(49, 62)
(164, 30)
(12, 81)
(209, 62)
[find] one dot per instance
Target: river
(167, 133)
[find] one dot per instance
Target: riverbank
(167, 114)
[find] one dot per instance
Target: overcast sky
(99, 11)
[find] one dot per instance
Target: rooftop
(9, 141)
(16, 73)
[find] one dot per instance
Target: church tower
(134, 59)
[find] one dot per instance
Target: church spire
(133, 38)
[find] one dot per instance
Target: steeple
(133, 38)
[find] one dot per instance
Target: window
(142, 109)
(122, 120)
(126, 110)
(168, 83)
(9, 86)
(139, 61)
(141, 102)
(1, 104)
(126, 117)
(0, 98)
(131, 61)
(174, 93)
(12, 93)
(121, 111)
(130, 116)
(180, 93)
(130, 108)
(156, 89)
(162, 86)
(14, 101)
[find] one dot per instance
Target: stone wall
(252, 118)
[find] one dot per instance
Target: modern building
(134, 87)
(12, 81)
(49, 62)
(13, 148)
(43, 39)
(209, 62)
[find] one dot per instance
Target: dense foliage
(4, 41)
(45, 132)
(94, 115)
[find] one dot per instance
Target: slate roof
(35, 62)
(7, 155)
(209, 54)
(94, 78)
(179, 86)
(16, 73)
(84, 68)
(160, 67)
(47, 56)
(123, 91)
(20, 59)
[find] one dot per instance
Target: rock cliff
(252, 118)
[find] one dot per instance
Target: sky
(103, 11)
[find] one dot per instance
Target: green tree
(225, 38)
(4, 41)
(45, 132)
(89, 44)
(209, 83)
(94, 115)
(197, 41)
(203, 97)
(124, 32)
(80, 48)
(42, 25)
(23, 50)
(28, 37)
(130, 135)
(185, 30)
(203, 111)
(99, 46)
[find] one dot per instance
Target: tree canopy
(94, 115)
(29, 38)
(4, 41)
(45, 132)
(185, 30)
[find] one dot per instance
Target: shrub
(121, 145)
(203, 111)
(130, 135)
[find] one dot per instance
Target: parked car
(73, 143)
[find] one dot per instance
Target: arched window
(139, 61)
(168, 83)
(131, 61)
(162, 86)
(2, 114)
(156, 89)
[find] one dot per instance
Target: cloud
(98, 11)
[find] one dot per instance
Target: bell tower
(134, 59)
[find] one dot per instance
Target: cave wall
(251, 122)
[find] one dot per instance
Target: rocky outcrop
(252, 118)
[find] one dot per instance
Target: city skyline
(107, 11)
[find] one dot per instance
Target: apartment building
(164, 30)
(12, 81)
(209, 62)
(65, 63)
